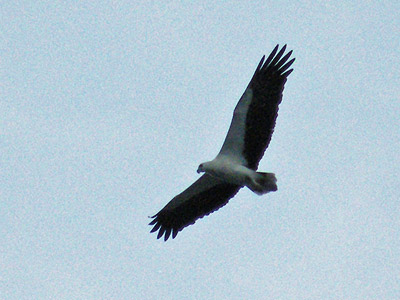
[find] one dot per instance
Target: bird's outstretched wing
(255, 114)
(203, 197)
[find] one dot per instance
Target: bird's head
(200, 169)
(204, 167)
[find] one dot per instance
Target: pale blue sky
(108, 107)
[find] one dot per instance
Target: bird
(236, 164)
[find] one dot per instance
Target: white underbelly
(235, 174)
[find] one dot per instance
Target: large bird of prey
(236, 164)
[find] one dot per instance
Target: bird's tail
(263, 183)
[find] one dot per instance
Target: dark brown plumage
(267, 85)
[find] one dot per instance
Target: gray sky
(107, 109)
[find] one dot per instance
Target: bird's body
(236, 173)
(236, 164)
(223, 168)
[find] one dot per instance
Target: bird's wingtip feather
(287, 73)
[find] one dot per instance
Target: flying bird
(236, 164)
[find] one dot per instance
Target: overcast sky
(107, 109)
